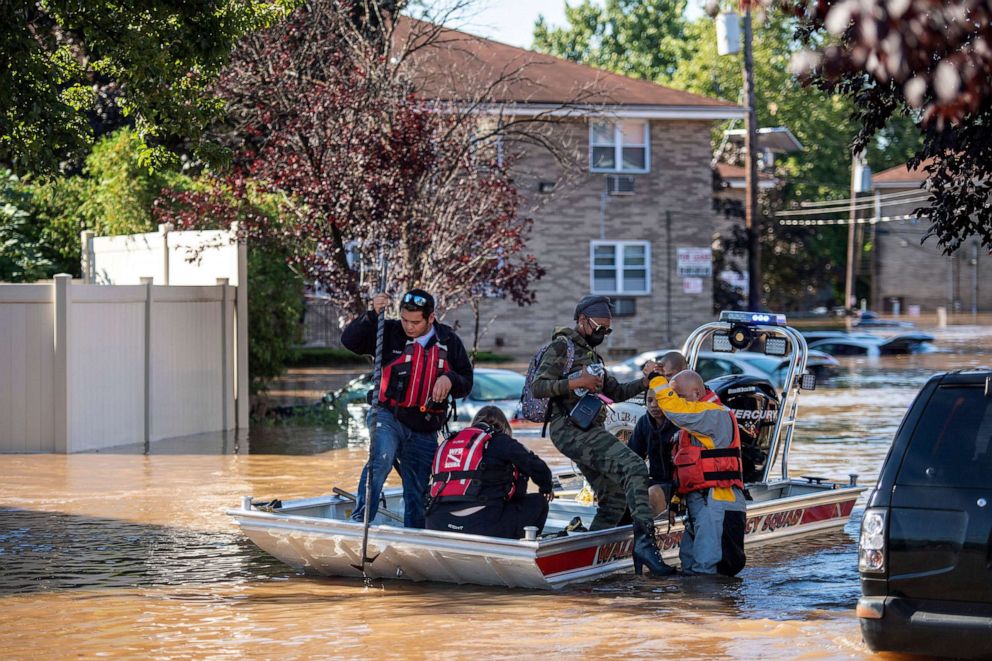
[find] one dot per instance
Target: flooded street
(127, 554)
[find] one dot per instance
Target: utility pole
(752, 222)
(860, 183)
(849, 276)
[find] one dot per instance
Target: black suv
(925, 554)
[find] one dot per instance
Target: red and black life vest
(458, 472)
(698, 468)
(407, 382)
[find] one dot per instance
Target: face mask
(596, 338)
(598, 334)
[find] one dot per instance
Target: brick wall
(920, 274)
(679, 183)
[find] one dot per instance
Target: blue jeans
(391, 442)
(713, 542)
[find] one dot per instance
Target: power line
(845, 209)
(847, 200)
(845, 221)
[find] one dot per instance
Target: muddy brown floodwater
(123, 554)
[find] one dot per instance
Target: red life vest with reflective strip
(458, 472)
(407, 382)
(698, 468)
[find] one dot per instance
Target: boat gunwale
(536, 548)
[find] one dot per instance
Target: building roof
(901, 176)
(459, 66)
(734, 175)
(776, 139)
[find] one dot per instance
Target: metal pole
(751, 221)
(373, 426)
(849, 277)
(668, 278)
(974, 278)
(873, 265)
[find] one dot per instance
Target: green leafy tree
(67, 64)
(639, 38)
(22, 257)
(121, 188)
(57, 219)
(275, 308)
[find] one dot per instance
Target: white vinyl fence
(156, 352)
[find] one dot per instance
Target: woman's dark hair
(494, 417)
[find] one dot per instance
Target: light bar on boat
(753, 318)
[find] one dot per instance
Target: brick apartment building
(908, 273)
(635, 221)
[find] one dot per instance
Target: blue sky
(512, 21)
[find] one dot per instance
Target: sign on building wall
(694, 263)
(692, 285)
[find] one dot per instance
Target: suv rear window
(952, 444)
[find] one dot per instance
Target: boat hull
(316, 537)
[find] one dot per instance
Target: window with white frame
(620, 267)
(619, 147)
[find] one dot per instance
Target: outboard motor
(756, 405)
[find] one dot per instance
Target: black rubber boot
(646, 552)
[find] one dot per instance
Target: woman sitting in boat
(479, 481)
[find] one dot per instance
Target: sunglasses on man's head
(414, 300)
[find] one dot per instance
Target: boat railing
(785, 422)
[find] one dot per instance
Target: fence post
(147, 282)
(242, 402)
(164, 229)
(87, 258)
(222, 283)
(61, 394)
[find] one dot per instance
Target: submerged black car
(925, 555)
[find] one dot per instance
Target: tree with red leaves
(324, 115)
(929, 60)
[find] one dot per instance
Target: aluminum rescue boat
(317, 537)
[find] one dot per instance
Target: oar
(374, 425)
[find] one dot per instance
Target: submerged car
(925, 552)
(870, 319)
(490, 386)
(712, 364)
(873, 346)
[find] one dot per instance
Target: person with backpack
(479, 481)
(424, 364)
(571, 378)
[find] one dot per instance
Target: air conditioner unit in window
(618, 184)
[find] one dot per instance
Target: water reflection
(138, 550)
(53, 551)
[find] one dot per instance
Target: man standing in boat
(617, 475)
(708, 474)
(424, 363)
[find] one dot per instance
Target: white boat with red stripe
(316, 535)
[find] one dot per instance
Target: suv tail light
(871, 547)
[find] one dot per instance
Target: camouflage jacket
(550, 382)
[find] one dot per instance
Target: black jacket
(503, 453)
(653, 440)
(359, 337)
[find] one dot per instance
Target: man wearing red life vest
(424, 363)
(708, 474)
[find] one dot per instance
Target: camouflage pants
(617, 475)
